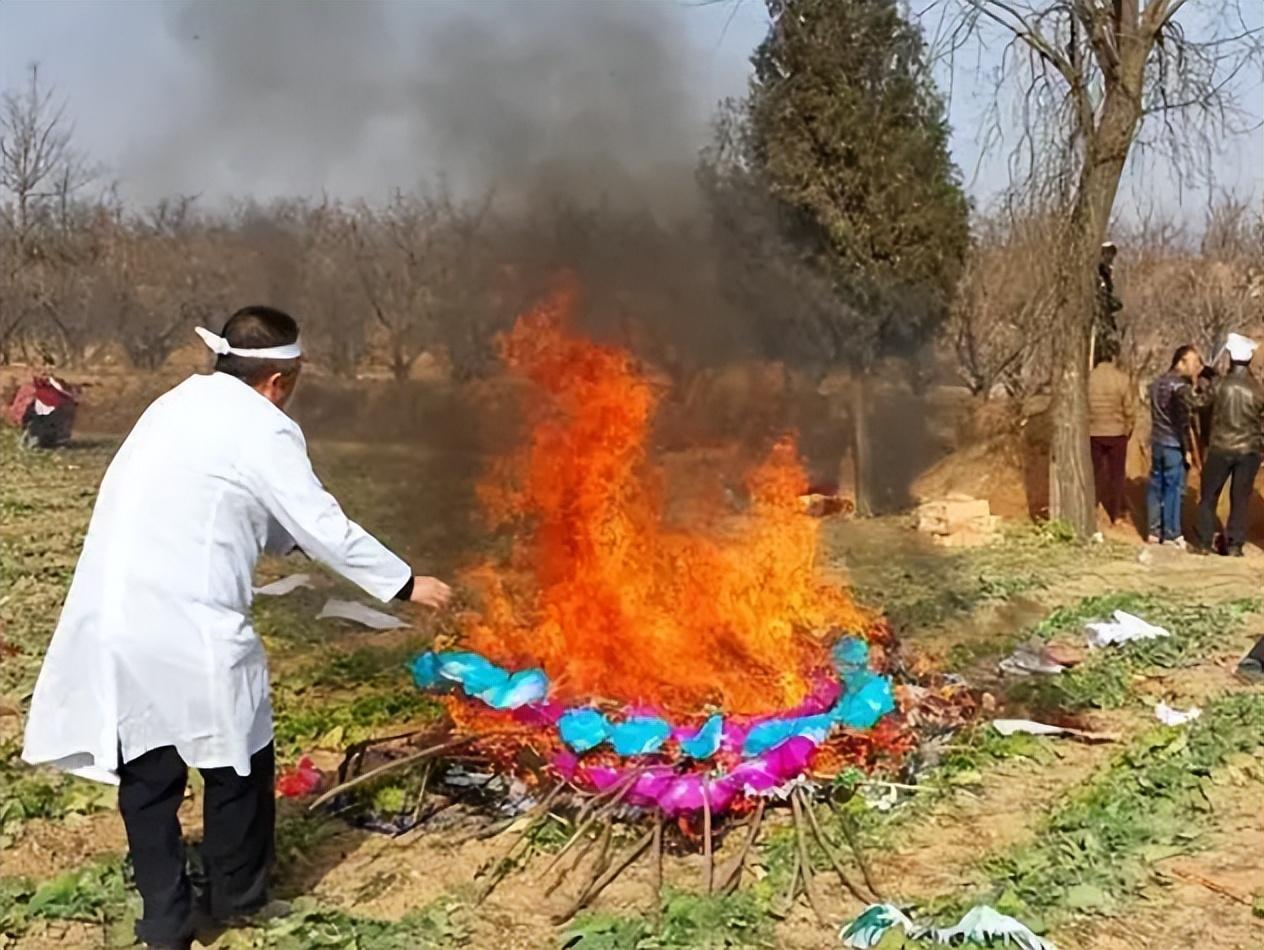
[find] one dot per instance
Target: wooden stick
(805, 860)
(792, 892)
(708, 847)
(618, 792)
(579, 859)
(1211, 885)
(502, 867)
(854, 843)
(732, 876)
(421, 795)
(599, 885)
(658, 865)
(390, 767)
(828, 846)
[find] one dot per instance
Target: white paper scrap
(1009, 727)
(359, 613)
(1170, 716)
(1124, 628)
(286, 585)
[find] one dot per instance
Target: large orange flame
(612, 603)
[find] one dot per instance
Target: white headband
(220, 347)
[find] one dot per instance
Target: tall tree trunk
(860, 446)
(1071, 493)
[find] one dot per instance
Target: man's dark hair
(1180, 354)
(257, 328)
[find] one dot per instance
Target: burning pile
(690, 672)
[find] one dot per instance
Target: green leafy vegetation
(27, 794)
(1096, 848)
(305, 722)
(694, 921)
(1105, 679)
(96, 893)
(312, 925)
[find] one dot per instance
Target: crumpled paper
(286, 585)
(1124, 628)
(981, 924)
(359, 613)
(1029, 658)
(871, 926)
(481, 678)
(299, 781)
(1171, 716)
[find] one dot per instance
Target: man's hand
(430, 592)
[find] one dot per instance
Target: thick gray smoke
(293, 97)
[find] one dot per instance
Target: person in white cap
(1233, 453)
(154, 667)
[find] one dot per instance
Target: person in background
(1173, 399)
(1108, 305)
(154, 667)
(1110, 422)
(1233, 452)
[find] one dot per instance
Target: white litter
(870, 927)
(1123, 629)
(286, 585)
(980, 924)
(1029, 658)
(1170, 716)
(1009, 727)
(359, 613)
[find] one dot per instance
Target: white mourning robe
(154, 646)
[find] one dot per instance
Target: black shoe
(1236, 551)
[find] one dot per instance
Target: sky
(268, 98)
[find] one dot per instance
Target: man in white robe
(154, 667)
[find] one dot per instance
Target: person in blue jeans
(1173, 400)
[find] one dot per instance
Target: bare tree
(413, 258)
(40, 170)
(999, 327)
(40, 175)
(332, 299)
(1103, 80)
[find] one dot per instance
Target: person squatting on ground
(1173, 400)
(1233, 454)
(154, 667)
(1110, 419)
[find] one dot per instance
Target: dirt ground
(944, 603)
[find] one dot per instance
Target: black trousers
(239, 818)
(1110, 459)
(1219, 468)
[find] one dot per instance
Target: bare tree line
(1175, 288)
(428, 273)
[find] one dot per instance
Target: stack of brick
(958, 521)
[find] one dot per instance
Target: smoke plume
(355, 99)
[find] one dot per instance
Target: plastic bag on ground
(1124, 628)
(1171, 716)
(303, 779)
(980, 926)
(870, 927)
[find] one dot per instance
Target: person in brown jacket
(1237, 440)
(1110, 419)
